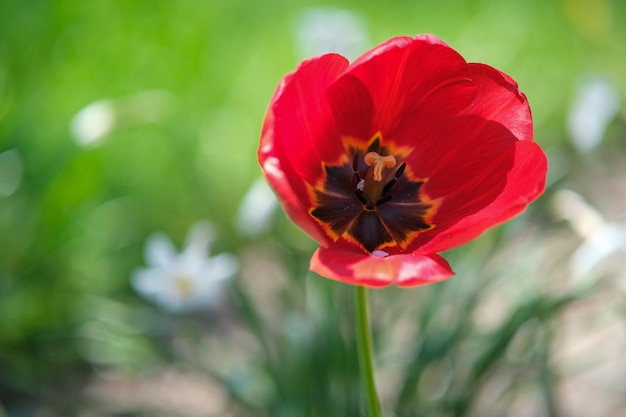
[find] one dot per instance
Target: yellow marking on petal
(379, 162)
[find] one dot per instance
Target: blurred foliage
(186, 84)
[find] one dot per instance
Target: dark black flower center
(371, 200)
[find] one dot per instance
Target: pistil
(378, 162)
(373, 185)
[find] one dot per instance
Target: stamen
(400, 170)
(384, 199)
(359, 195)
(379, 162)
(388, 187)
(355, 168)
(391, 183)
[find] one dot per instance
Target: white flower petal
(219, 268)
(321, 30)
(198, 242)
(208, 282)
(150, 281)
(595, 105)
(256, 209)
(605, 242)
(213, 273)
(160, 251)
(584, 219)
(160, 287)
(155, 286)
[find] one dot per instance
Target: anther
(379, 162)
(400, 170)
(384, 199)
(391, 183)
(359, 195)
(388, 186)
(355, 177)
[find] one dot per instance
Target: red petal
(290, 196)
(524, 183)
(497, 117)
(304, 125)
(357, 268)
(353, 108)
(411, 82)
(471, 160)
(466, 163)
(498, 99)
(290, 148)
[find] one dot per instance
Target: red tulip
(404, 153)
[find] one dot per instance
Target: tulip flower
(404, 153)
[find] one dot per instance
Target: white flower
(186, 281)
(601, 239)
(256, 209)
(322, 30)
(596, 104)
(94, 122)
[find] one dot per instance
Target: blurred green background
(119, 119)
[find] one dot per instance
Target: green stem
(366, 357)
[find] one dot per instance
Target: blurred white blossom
(93, 122)
(91, 125)
(601, 239)
(595, 105)
(185, 281)
(323, 30)
(256, 209)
